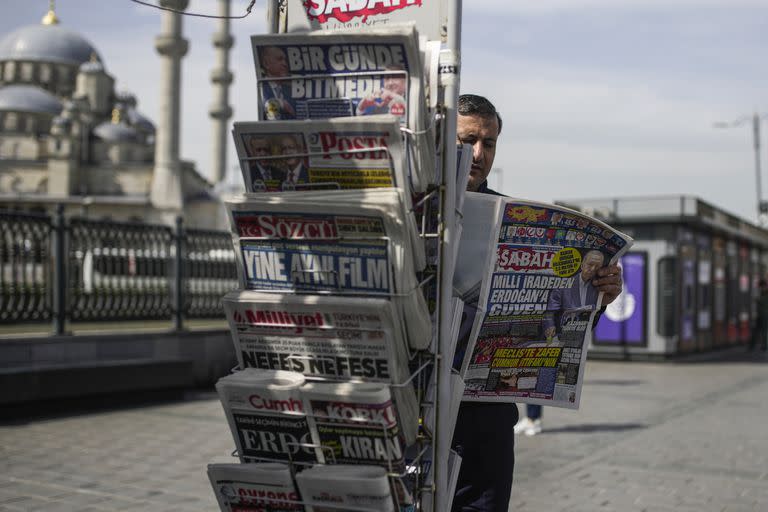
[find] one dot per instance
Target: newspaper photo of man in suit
(276, 94)
(581, 293)
(295, 168)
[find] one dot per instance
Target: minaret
(167, 193)
(221, 78)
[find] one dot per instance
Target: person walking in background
(760, 328)
(530, 424)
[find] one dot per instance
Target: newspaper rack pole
(449, 80)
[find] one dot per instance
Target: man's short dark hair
(474, 105)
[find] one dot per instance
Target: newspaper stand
(426, 471)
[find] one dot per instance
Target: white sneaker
(523, 425)
(535, 428)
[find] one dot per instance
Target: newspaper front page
(345, 153)
(266, 415)
(537, 303)
(322, 75)
(254, 487)
(355, 423)
(346, 488)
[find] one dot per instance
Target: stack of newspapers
(334, 315)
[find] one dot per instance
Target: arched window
(45, 74)
(10, 71)
(11, 121)
(27, 72)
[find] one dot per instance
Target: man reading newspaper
(484, 431)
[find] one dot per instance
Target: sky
(600, 98)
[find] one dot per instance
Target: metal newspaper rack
(433, 445)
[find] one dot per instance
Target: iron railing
(81, 270)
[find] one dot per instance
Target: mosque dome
(47, 43)
(140, 121)
(28, 98)
(116, 132)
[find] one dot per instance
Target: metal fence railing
(80, 270)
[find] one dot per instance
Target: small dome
(47, 43)
(28, 98)
(116, 132)
(139, 121)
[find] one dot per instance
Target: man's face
(260, 147)
(589, 266)
(274, 62)
(481, 133)
(290, 147)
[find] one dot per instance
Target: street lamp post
(762, 206)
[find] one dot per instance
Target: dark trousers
(759, 334)
(533, 411)
(485, 439)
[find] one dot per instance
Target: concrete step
(53, 381)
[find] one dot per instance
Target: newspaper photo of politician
(276, 94)
(582, 293)
(263, 172)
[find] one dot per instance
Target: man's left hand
(609, 282)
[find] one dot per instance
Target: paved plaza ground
(671, 436)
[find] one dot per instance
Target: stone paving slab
(648, 437)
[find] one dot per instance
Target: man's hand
(609, 282)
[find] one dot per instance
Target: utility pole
(756, 118)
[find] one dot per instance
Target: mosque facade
(67, 137)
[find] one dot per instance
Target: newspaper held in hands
(266, 415)
(254, 487)
(537, 305)
(346, 488)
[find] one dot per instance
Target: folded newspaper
(321, 75)
(356, 423)
(288, 243)
(335, 338)
(266, 415)
(253, 487)
(345, 488)
(532, 265)
(318, 154)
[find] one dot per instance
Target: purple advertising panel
(623, 321)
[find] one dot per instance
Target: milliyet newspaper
(537, 304)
